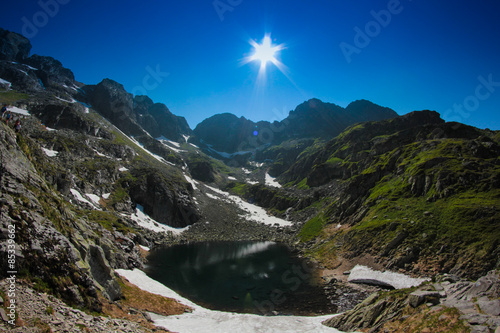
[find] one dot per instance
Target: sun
(265, 52)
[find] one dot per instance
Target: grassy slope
(434, 206)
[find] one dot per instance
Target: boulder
(421, 296)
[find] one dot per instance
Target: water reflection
(258, 277)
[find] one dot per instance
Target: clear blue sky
(417, 54)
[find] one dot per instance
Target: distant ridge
(311, 119)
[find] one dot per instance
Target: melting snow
(95, 198)
(191, 181)
(254, 212)
(18, 110)
(148, 223)
(2, 81)
(80, 197)
(64, 100)
(49, 152)
(204, 320)
(363, 274)
(271, 181)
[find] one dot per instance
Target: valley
(97, 178)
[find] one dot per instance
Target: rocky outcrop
(158, 121)
(476, 304)
(164, 201)
(13, 47)
(51, 72)
(110, 99)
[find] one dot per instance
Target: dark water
(252, 277)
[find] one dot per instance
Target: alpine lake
(264, 278)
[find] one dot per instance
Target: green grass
(302, 185)
(312, 228)
(12, 96)
(108, 220)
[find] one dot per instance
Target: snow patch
(191, 181)
(253, 212)
(271, 181)
(106, 195)
(203, 320)
(251, 182)
(64, 100)
(123, 169)
(231, 178)
(95, 198)
(49, 152)
(363, 274)
(145, 248)
(2, 81)
(80, 197)
(17, 110)
(246, 171)
(147, 222)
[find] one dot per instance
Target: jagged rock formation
(13, 47)
(158, 121)
(312, 119)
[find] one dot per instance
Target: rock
(3, 315)
(480, 329)
(419, 297)
(490, 307)
(13, 46)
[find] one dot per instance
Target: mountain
(412, 193)
(226, 134)
(96, 176)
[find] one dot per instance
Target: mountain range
(95, 175)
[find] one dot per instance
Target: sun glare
(265, 52)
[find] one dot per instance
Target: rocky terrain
(411, 193)
(447, 305)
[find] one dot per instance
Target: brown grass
(145, 301)
(135, 298)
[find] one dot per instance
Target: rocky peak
(50, 70)
(157, 119)
(225, 132)
(13, 46)
(110, 99)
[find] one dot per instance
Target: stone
(419, 297)
(480, 329)
(3, 315)
(491, 307)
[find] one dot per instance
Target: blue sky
(407, 55)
